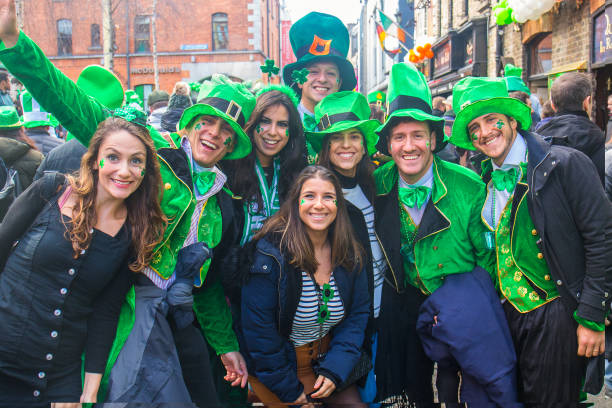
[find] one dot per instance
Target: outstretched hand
(235, 367)
(9, 33)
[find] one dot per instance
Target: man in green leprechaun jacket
(428, 221)
(552, 222)
(198, 208)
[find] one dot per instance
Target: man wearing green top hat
(320, 43)
(551, 222)
(39, 125)
(377, 101)
(428, 221)
(198, 208)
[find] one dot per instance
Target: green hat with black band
(102, 85)
(33, 114)
(409, 96)
(232, 102)
(319, 37)
(9, 119)
(477, 96)
(342, 111)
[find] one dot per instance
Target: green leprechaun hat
(342, 111)
(409, 96)
(9, 119)
(321, 37)
(379, 98)
(33, 114)
(102, 85)
(477, 96)
(513, 77)
(228, 100)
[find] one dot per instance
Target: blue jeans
(608, 374)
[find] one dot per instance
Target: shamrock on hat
(477, 96)
(231, 102)
(409, 96)
(342, 111)
(318, 37)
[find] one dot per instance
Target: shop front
(601, 60)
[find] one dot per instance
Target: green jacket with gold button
(81, 114)
(451, 237)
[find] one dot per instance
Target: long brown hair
(294, 240)
(365, 167)
(144, 214)
(20, 135)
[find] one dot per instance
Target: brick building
(195, 38)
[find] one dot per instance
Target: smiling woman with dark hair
(306, 304)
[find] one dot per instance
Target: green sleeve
(53, 90)
(477, 230)
(599, 327)
(213, 314)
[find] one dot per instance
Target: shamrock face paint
(336, 202)
(101, 163)
(142, 172)
(271, 135)
(499, 124)
(258, 128)
(302, 202)
(228, 141)
(287, 132)
(198, 126)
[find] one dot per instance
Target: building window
(95, 36)
(64, 37)
(142, 31)
(540, 54)
(219, 31)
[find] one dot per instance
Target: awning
(574, 66)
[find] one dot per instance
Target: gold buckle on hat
(319, 46)
(233, 105)
(325, 123)
(464, 104)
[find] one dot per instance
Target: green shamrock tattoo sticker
(300, 76)
(101, 163)
(335, 202)
(228, 141)
(287, 132)
(142, 172)
(473, 136)
(302, 202)
(258, 128)
(499, 124)
(427, 144)
(198, 126)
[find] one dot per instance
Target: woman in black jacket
(305, 306)
(67, 254)
(345, 141)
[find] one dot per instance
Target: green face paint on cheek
(142, 172)
(473, 136)
(198, 126)
(499, 124)
(287, 132)
(427, 144)
(335, 202)
(102, 163)
(228, 141)
(302, 202)
(258, 129)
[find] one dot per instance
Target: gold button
(534, 232)
(167, 186)
(540, 256)
(440, 266)
(546, 277)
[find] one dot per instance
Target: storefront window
(540, 55)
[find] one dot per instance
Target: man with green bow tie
(551, 224)
(428, 221)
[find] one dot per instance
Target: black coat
(65, 159)
(575, 129)
(574, 219)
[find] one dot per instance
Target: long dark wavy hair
(241, 176)
(144, 215)
(365, 168)
(288, 229)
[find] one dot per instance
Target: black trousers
(549, 369)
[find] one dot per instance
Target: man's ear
(432, 140)
(586, 104)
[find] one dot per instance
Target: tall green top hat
(342, 111)
(9, 119)
(477, 96)
(321, 37)
(378, 98)
(228, 100)
(514, 82)
(33, 114)
(102, 85)
(409, 96)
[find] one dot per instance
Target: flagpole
(394, 22)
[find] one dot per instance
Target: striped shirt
(356, 197)
(305, 326)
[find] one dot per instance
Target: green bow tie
(310, 125)
(412, 196)
(204, 180)
(504, 180)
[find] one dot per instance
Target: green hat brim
(13, 126)
(436, 124)
(502, 104)
(242, 147)
(36, 123)
(347, 72)
(366, 127)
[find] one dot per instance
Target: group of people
(258, 243)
